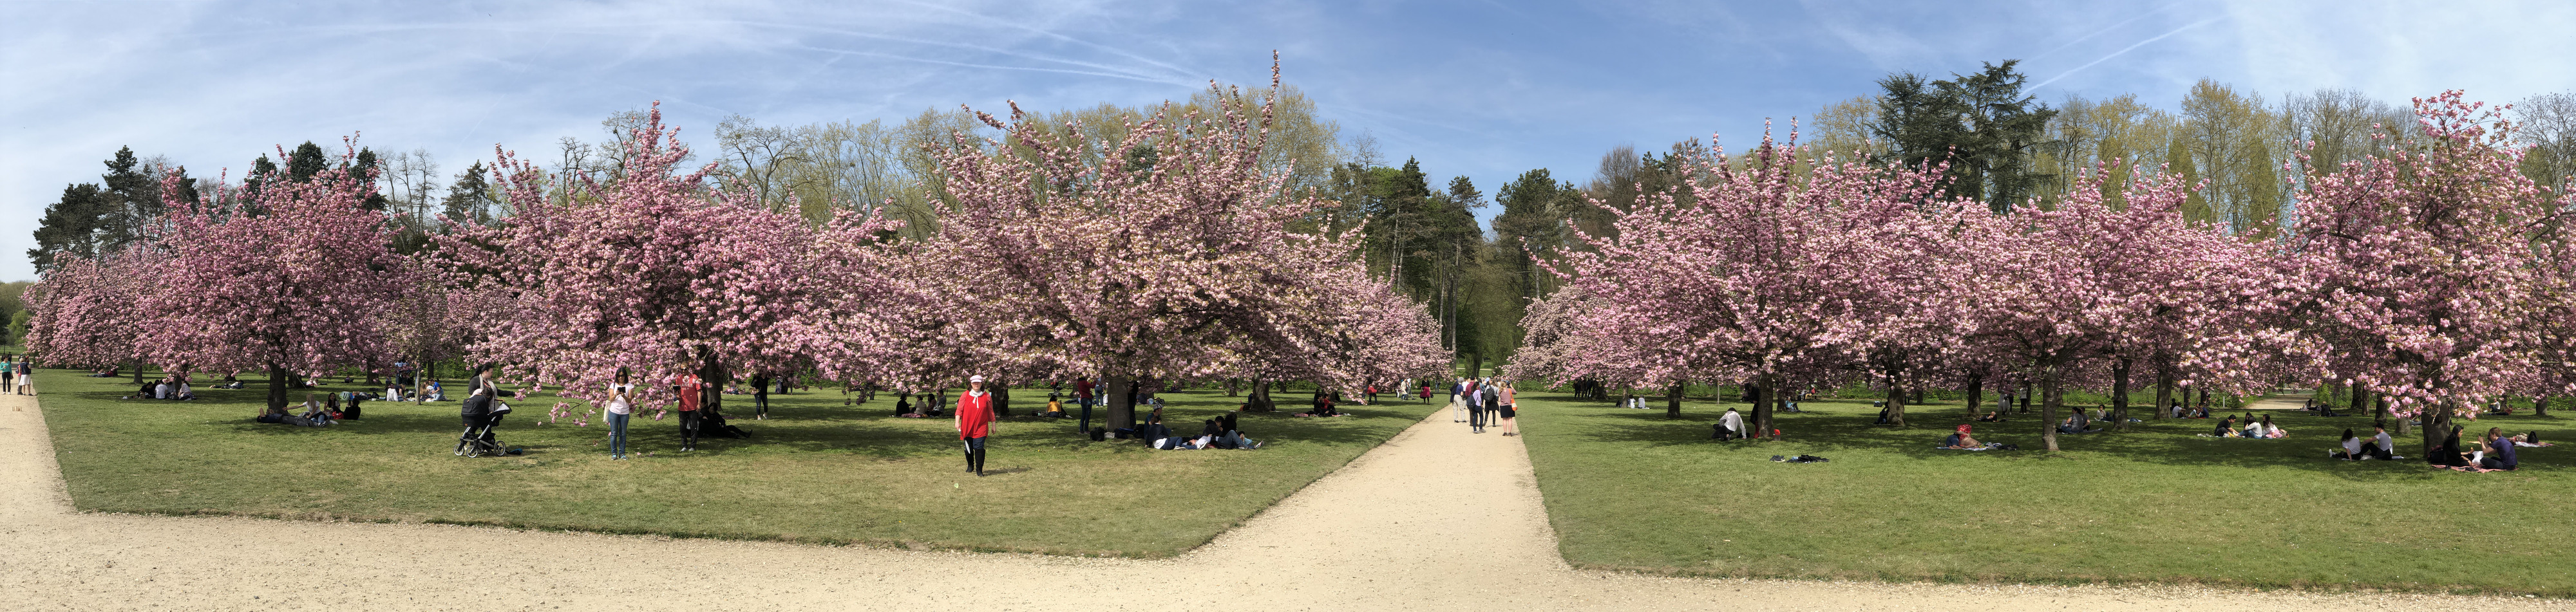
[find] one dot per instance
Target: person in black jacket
(477, 412)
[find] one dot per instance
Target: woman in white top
(621, 408)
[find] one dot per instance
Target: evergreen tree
(1981, 124)
(469, 201)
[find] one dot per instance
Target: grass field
(815, 472)
(1629, 489)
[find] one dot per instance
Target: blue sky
(1481, 89)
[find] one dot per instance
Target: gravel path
(1436, 519)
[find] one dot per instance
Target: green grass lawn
(1629, 489)
(815, 472)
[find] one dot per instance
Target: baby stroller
(478, 440)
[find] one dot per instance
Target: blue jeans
(617, 433)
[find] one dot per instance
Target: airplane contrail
(2098, 33)
(2126, 49)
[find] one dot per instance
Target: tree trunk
(2047, 409)
(1976, 394)
(2164, 388)
(2540, 406)
(276, 387)
(1779, 402)
(1122, 402)
(2120, 395)
(711, 398)
(138, 372)
(1895, 402)
(1260, 399)
(1762, 402)
(1673, 402)
(1001, 391)
(2437, 425)
(1476, 365)
(2027, 388)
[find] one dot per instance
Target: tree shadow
(1829, 427)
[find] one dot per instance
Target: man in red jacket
(974, 422)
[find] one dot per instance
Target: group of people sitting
(927, 409)
(433, 392)
(173, 387)
(1323, 405)
(2493, 451)
(2247, 427)
(2356, 449)
(318, 410)
(1216, 433)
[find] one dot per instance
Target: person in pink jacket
(975, 422)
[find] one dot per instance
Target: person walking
(1509, 409)
(692, 392)
(975, 422)
(26, 375)
(9, 375)
(1491, 397)
(620, 410)
(1458, 401)
(1475, 406)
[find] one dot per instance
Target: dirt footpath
(1436, 519)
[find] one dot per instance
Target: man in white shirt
(1731, 425)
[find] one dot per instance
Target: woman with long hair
(620, 410)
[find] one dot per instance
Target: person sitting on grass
(2267, 430)
(1961, 440)
(435, 393)
(183, 392)
(1730, 426)
(2499, 455)
(2351, 448)
(903, 407)
(2448, 455)
(314, 411)
(2226, 428)
(2381, 446)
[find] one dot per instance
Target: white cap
(975, 379)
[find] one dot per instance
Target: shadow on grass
(1828, 427)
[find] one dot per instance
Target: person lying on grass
(2529, 440)
(1991, 416)
(1961, 440)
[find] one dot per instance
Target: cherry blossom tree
(2092, 277)
(1167, 253)
(1747, 269)
(289, 277)
(2418, 269)
(85, 310)
(654, 270)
